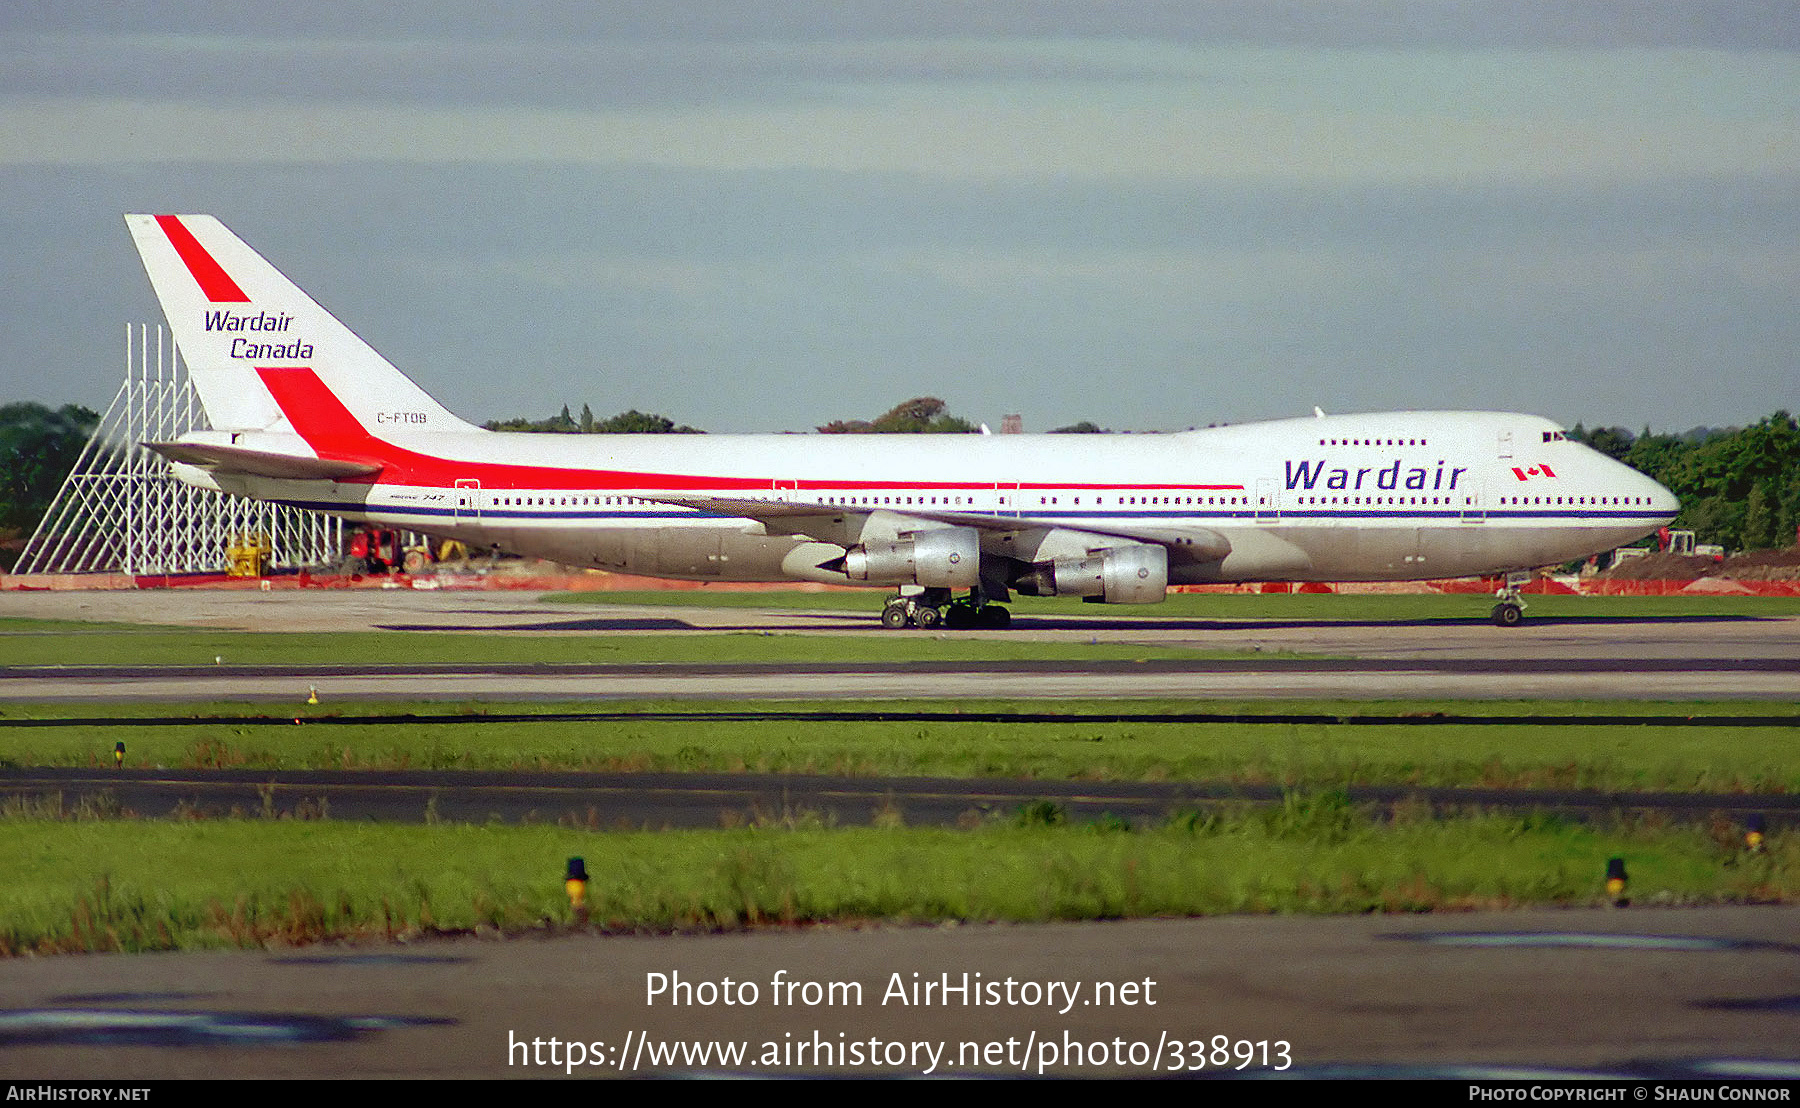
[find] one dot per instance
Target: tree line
(633, 422)
(1739, 486)
(38, 448)
(922, 415)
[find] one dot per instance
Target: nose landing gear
(1510, 612)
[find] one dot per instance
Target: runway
(1604, 659)
(1576, 679)
(1682, 639)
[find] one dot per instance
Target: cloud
(1144, 214)
(968, 135)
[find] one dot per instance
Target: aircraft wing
(261, 463)
(786, 517)
(763, 511)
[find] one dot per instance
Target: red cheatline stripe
(214, 281)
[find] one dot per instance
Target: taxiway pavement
(1598, 658)
(1699, 992)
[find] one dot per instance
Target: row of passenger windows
(1201, 501)
(568, 501)
(1589, 501)
(878, 501)
(1549, 436)
(1122, 501)
(1372, 500)
(958, 501)
(868, 501)
(1594, 501)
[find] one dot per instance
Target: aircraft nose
(1663, 501)
(1644, 489)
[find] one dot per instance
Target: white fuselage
(306, 413)
(1386, 496)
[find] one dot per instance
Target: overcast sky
(761, 217)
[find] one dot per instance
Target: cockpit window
(1554, 436)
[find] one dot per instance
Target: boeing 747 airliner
(305, 413)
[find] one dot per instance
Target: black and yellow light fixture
(1616, 881)
(1755, 829)
(575, 884)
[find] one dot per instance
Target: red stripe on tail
(214, 281)
(321, 418)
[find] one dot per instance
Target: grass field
(131, 884)
(109, 885)
(1298, 755)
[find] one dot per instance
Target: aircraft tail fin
(241, 325)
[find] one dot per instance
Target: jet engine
(1117, 575)
(943, 558)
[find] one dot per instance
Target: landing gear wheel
(995, 617)
(959, 616)
(925, 618)
(1510, 612)
(894, 615)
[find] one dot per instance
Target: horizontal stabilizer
(262, 463)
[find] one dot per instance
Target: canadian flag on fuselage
(244, 330)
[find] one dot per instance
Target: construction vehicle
(248, 555)
(389, 550)
(376, 550)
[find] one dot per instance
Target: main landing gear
(1510, 612)
(934, 608)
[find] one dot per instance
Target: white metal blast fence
(122, 510)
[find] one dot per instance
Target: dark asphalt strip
(638, 800)
(909, 716)
(1044, 666)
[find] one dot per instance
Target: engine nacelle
(1118, 575)
(943, 558)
